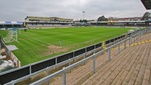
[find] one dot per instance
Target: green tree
(85, 21)
(102, 18)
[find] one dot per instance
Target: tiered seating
(81, 73)
(131, 67)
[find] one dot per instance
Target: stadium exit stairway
(113, 71)
(132, 67)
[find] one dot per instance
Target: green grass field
(38, 44)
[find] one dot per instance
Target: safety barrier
(93, 57)
(25, 72)
(59, 60)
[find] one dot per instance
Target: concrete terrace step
(76, 74)
(103, 71)
(132, 67)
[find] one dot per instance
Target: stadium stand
(47, 22)
(11, 24)
(41, 22)
(131, 67)
(121, 23)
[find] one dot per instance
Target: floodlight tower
(83, 14)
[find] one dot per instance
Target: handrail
(67, 61)
(62, 71)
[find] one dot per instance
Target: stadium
(61, 51)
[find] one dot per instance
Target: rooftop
(147, 4)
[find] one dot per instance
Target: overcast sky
(17, 10)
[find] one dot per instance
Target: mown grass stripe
(33, 43)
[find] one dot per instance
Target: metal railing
(31, 73)
(64, 70)
(30, 68)
(38, 67)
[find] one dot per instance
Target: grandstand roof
(35, 18)
(147, 4)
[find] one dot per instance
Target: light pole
(83, 14)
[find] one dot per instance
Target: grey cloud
(17, 10)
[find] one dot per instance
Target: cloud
(17, 10)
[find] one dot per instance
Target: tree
(146, 16)
(84, 21)
(102, 18)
